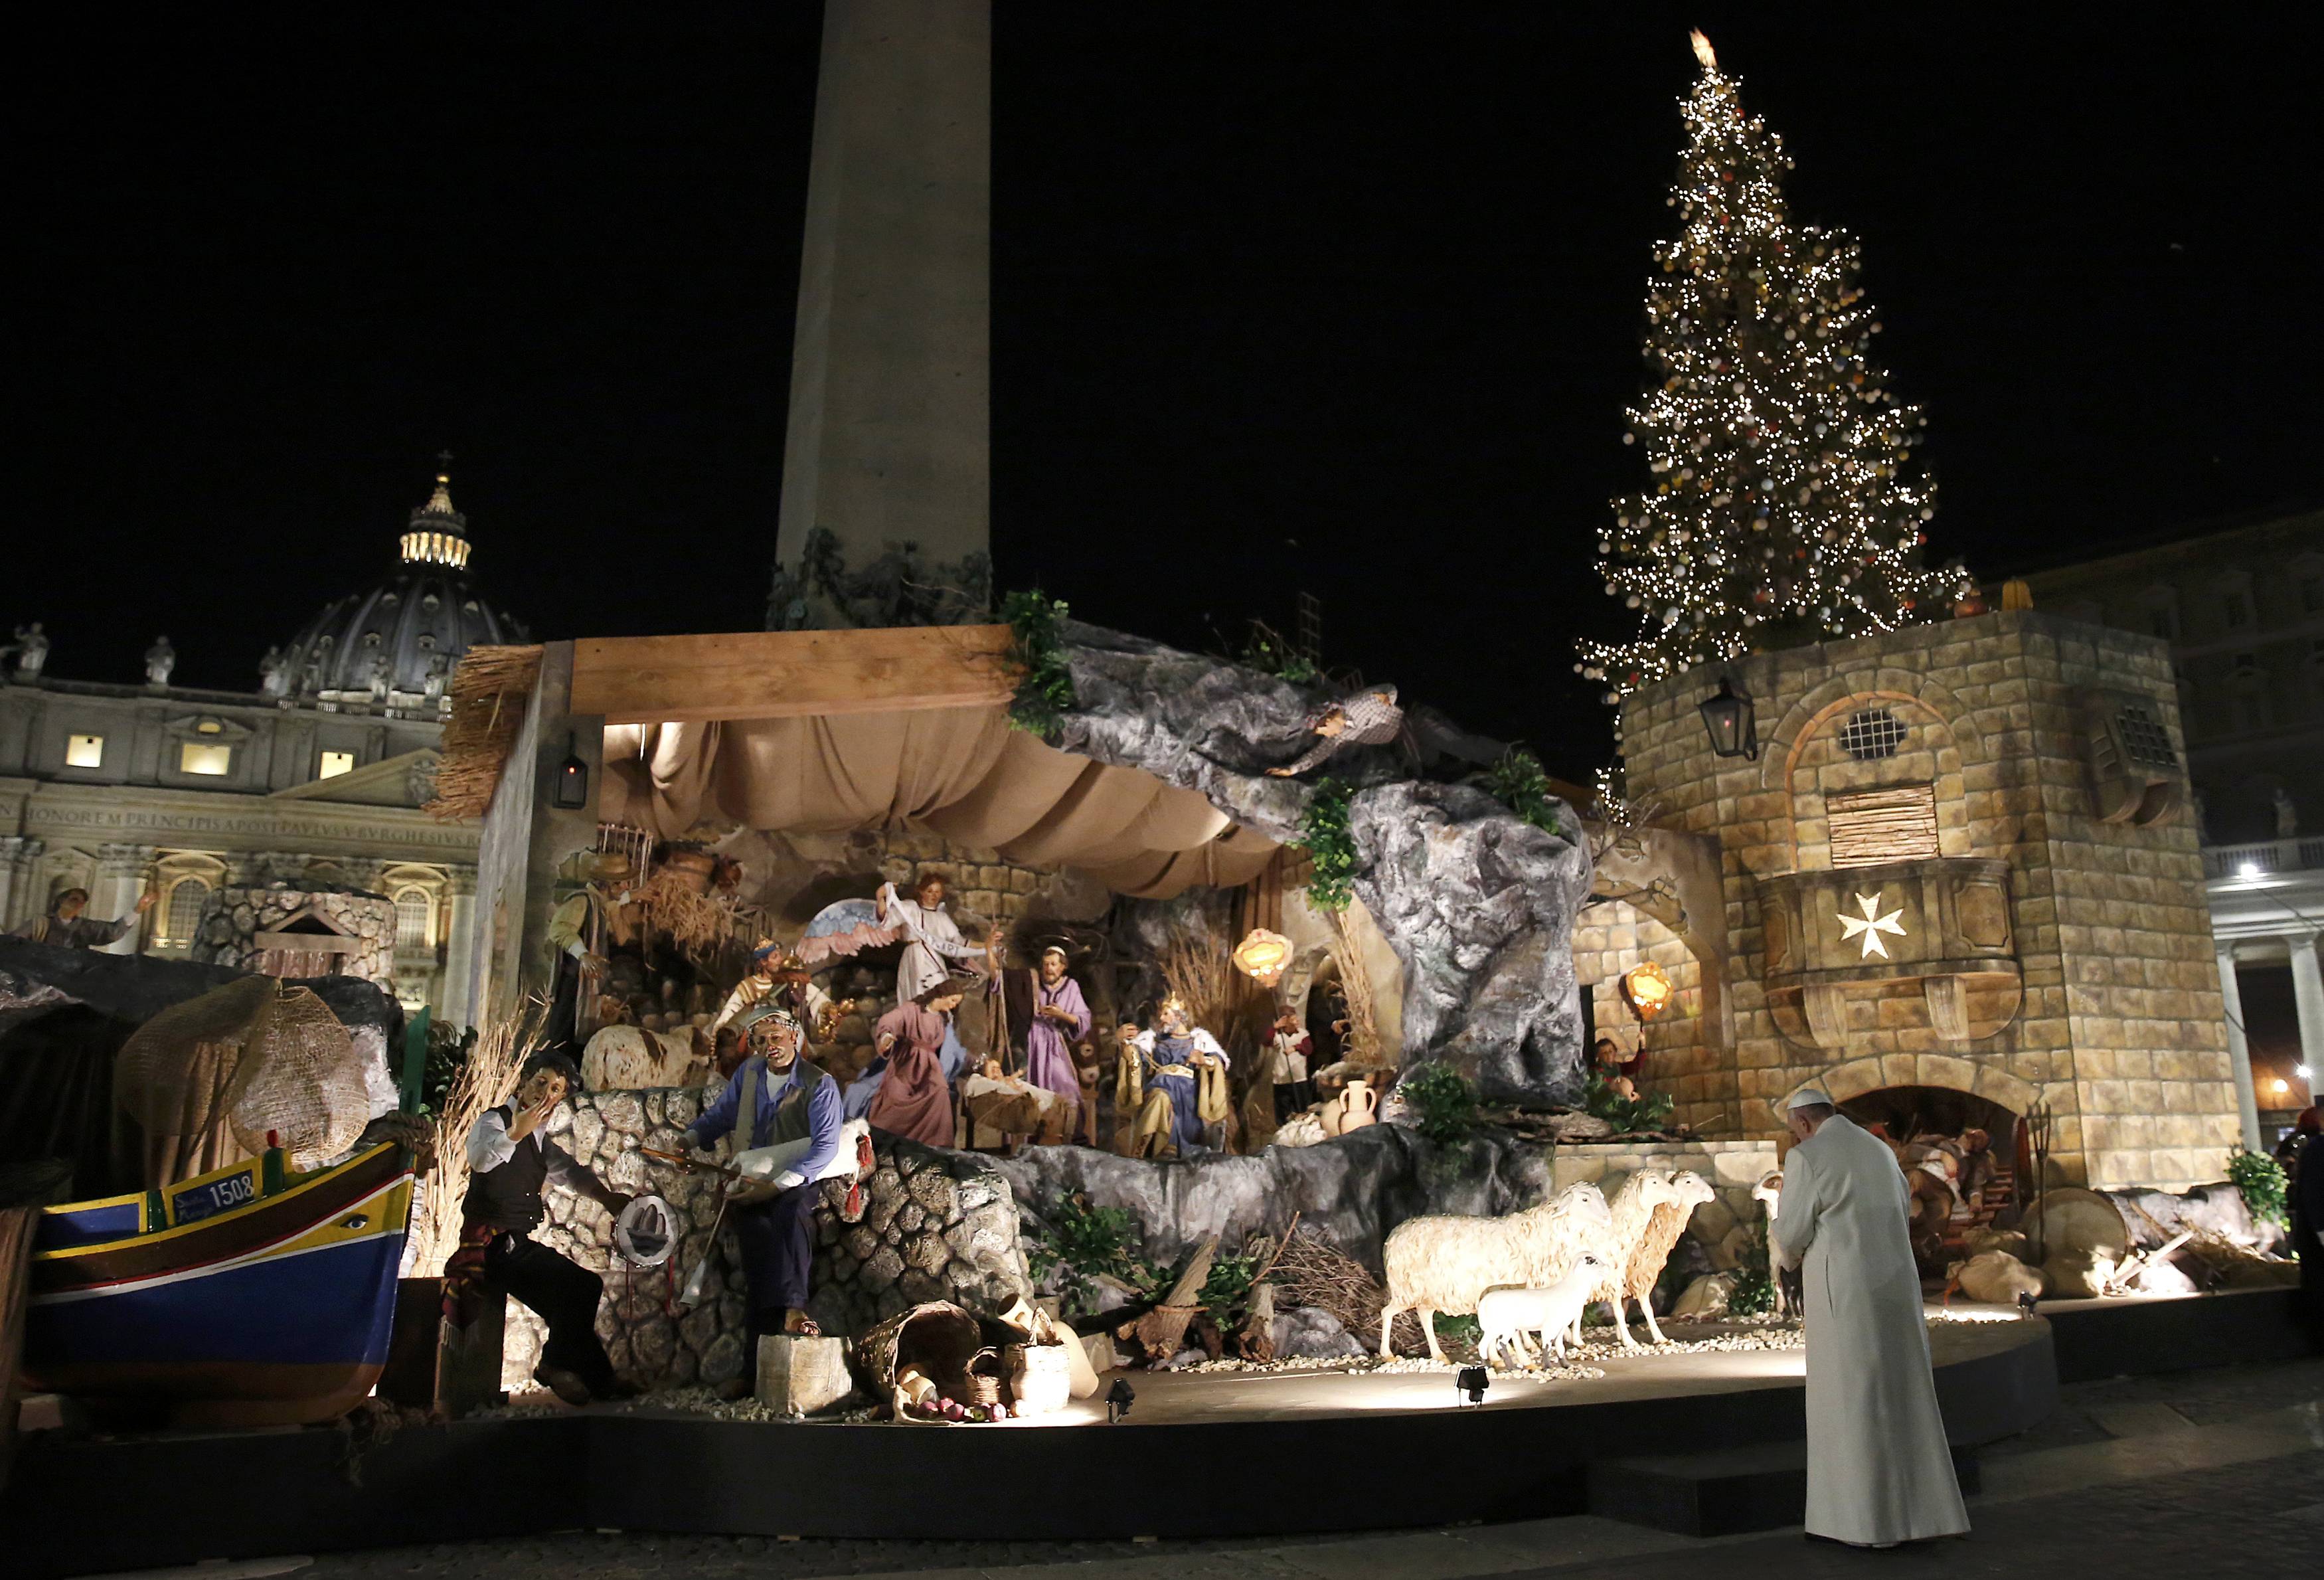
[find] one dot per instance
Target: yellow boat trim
(139, 1197)
(305, 1182)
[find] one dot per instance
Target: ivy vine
(1519, 782)
(1045, 691)
(1324, 836)
(2262, 1182)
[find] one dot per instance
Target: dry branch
(1311, 1272)
(485, 1080)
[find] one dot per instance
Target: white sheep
(1769, 1193)
(1630, 1216)
(1508, 1314)
(1671, 1199)
(1444, 1264)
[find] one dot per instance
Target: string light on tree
(1787, 502)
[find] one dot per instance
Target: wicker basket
(981, 1383)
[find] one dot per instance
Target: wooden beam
(784, 674)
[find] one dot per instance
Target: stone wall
(233, 917)
(2120, 1029)
(1723, 1226)
(932, 1225)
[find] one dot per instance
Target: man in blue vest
(774, 1096)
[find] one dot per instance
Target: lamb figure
(1508, 1314)
(1446, 1263)
(1769, 1193)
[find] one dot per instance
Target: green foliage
(1442, 1105)
(1047, 691)
(1228, 1289)
(1086, 1241)
(1270, 652)
(447, 1050)
(1755, 1286)
(1627, 1115)
(2260, 1179)
(1459, 1330)
(1324, 835)
(1518, 781)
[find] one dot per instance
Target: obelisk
(887, 442)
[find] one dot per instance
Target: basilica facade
(317, 777)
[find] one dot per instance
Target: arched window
(184, 911)
(415, 915)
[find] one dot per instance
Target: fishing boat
(248, 1296)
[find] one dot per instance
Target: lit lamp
(1648, 989)
(1728, 718)
(571, 791)
(1263, 956)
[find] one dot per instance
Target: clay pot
(1353, 1109)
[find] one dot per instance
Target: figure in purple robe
(1061, 1017)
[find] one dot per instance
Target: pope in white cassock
(1879, 1469)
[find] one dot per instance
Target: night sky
(1344, 298)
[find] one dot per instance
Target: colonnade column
(18, 855)
(459, 948)
(2307, 996)
(2239, 1049)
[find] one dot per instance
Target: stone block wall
(2120, 1027)
(1722, 1226)
(931, 1226)
(232, 917)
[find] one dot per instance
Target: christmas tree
(1787, 503)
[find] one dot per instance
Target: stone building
(316, 777)
(1958, 882)
(2242, 606)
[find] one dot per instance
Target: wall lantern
(1648, 989)
(571, 792)
(1729, 720)
(1263, 956)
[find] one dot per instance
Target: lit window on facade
(1872, 734)
(412, 913)
(185, 912)
(334, 763)
(198, 757)
(84, 751)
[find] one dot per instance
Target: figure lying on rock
(1370, 718)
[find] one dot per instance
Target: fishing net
(210, 1079)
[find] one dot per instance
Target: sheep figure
(1446, 1263)
(1508, 1314)
(1674, 1198)
(1769, 1193)
(1631, 1219)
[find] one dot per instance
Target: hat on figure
(1810, 1097)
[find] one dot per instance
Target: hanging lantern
(1648, 989)
(1263, 957)
(1729, 719)
(570, 790)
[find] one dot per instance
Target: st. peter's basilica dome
(395, 645)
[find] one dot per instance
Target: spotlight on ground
(1471, 1382)
(1119, 1398)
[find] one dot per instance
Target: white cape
(1878, 1470)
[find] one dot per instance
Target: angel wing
(845, 927)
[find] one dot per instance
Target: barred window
(1871, 735)
(2145, 739)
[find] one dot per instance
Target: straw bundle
(674, 905)
(485, 1081)
(489, 692)
(1364, 1045)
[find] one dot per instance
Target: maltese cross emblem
(1871, 924)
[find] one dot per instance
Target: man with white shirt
(511, 1160)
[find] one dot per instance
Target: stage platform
(95, 1504)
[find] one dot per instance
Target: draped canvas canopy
(963, 773)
